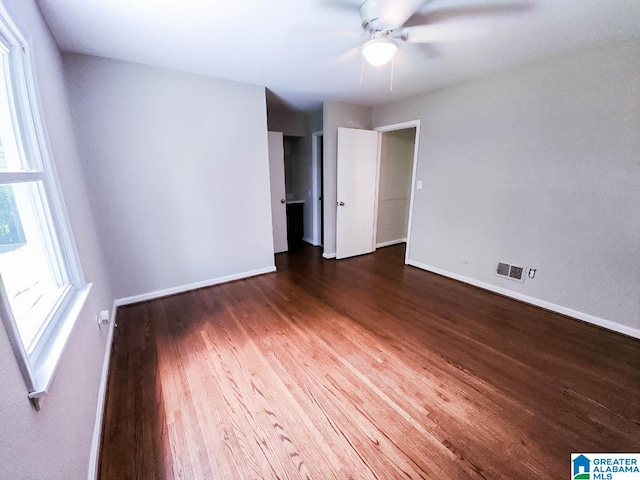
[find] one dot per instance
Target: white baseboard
(192, 286)
(329, 256)
(391, 242)
(311, 242)
(102, 393)
(585, 317)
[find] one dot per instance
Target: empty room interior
(330, 239)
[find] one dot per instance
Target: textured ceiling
(306, 51)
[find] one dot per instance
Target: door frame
(316, 187)
(390, 128)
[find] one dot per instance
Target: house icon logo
(581, 468)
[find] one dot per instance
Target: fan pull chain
(391, 83)
(362, 70)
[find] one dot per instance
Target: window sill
(45, 368)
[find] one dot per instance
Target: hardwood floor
(364, 369)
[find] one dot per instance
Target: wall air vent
(516, 272)
(503, 269)
(512, 272)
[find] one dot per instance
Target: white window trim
(39, 368)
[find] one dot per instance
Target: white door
(278, 193)
(356, 189)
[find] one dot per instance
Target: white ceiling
(305, 51)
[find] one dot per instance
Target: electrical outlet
(103, 316)
(102, 319)
(532, 273)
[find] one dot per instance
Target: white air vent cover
(512, 272)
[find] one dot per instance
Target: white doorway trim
(389, 128)
(316, 187)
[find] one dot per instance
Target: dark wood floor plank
(329, 397)
(277, 448)
(365, 369)
(406, 397)
(282, 391)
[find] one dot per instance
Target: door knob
(282, 200)
(341, 204)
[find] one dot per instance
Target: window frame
(39, 365)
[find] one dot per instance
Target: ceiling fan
(385, 22)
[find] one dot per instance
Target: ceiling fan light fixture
(379, 51)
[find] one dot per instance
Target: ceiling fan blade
(440, 33)
(427, 51)
(350, 5)
(484, 9)
(392, 13)
(323, 32)
(345, 57)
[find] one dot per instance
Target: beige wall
(178, 169)
(289, 122)
(538, 165)
(54, 443)
(394, 192)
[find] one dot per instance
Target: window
(41, 284)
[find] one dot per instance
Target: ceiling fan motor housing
(371, 23)
(373, 26)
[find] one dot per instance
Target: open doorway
(317, 187)
(396, 171)
(294, 187)
(287, 197)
